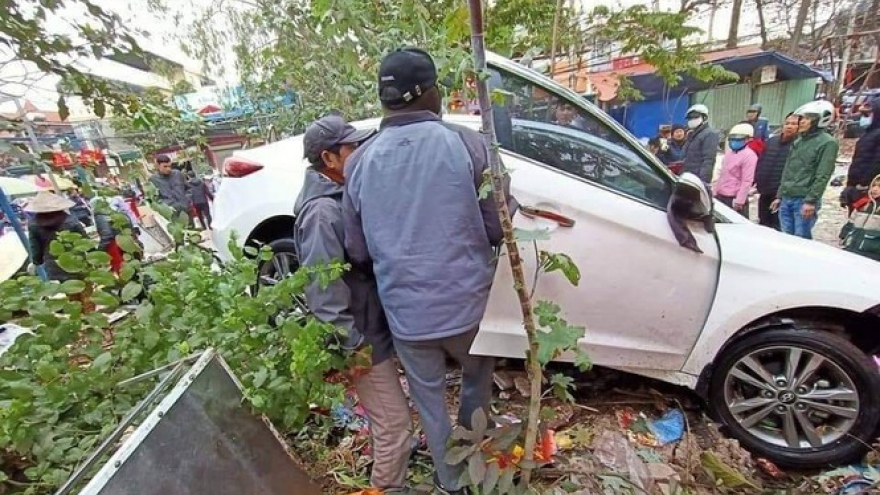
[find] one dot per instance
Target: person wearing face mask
(351, 303)
(866, 159)
(769, 171)
(807, 170)
(737, 170)
(701, 147)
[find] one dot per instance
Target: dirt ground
(601, 449)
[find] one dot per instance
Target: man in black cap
(413, 213)
(351, 304)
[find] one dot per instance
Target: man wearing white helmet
(701, 147)
(807, 170)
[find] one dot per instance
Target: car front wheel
(283, 263)
(801, 398)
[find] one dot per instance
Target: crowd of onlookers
(47, 214)
(789, 169)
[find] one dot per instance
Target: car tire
(283, 259)
(826, 367)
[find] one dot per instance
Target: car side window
(549, 129)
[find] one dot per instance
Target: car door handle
(532, 212)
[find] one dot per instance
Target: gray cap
(755, 107)
(328, 132)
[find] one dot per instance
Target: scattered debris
(504, 380)
(523, 386)
(614, 452)
(669, 428)
(722, 474)
(769, 469)
(652, 432)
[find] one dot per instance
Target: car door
(642, 298)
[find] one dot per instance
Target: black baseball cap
(404, 75)
(330, 131)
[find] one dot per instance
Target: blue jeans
(792, 222)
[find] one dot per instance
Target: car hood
(796, 265)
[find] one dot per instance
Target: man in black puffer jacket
(771, 163)
(865, 161)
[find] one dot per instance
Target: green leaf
(98, 258)
(102, 361)
(131, 291)
(723, 474)
(477, 468)
(99, 108)
(551, 262)
(505, 482)
(72, 287)
(493, 474)
(63, 111)
(260, 377)
(479, 423)
(556, 336)
(70, 263)
(151, 339)
(456, 455)
(102, 298)
(127, 244)
(525, 235)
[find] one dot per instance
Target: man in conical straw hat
(52, 218)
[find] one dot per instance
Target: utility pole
(35, 144)
(713, 9)
(847, 53)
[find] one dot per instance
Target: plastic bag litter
(669, 428)
(614, 452)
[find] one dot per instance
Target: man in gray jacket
(413, 214)
(351, 304)
(171, 186)
(701, 147)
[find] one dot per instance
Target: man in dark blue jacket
(352, 303)
(768, 175)
(866, 159)
(413, 213)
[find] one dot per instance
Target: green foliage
(58, 387)
(551, 262)
(557, 337)
(156, 123)
(659, 38)
(26, 29)
(275, 41)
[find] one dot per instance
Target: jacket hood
(316, 185)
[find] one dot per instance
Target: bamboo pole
(516, 266)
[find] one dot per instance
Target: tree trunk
(733, 32)
(801, 21)
(516, 265)
(762, 23)
(556, 15)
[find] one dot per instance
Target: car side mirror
(691, 199)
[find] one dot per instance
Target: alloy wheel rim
(791, 397)
(277, 268)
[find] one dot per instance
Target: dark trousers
(204, 213)
(728, 201)
(766, 217)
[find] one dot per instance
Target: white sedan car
(775, 332)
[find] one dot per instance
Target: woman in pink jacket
(737, 170)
